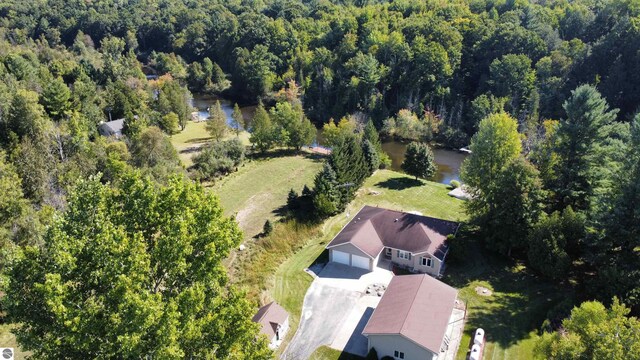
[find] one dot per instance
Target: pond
(202, 103)
(448, 161)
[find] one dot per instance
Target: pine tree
(350, 166)
(371, 134)
(262, 132)
(217, 122)
(579, 137)
(325, 194)
(237, 122)
(616, 254)
(371, 156)
(419, 161)
(56, 99)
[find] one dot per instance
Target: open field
(258, 190)
(194, 136)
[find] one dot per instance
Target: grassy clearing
(516, 308)
(189, 141)
(394, 190)
(258, 190)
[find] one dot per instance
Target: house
(414, 319)
(274, 322)
(111, 128)
(415, 242)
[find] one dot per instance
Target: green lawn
(258, 190)
(513, 313)
(394, 190)
(195, 135)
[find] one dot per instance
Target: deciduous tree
(133, 271)
(419, 161)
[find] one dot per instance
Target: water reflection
(448, 161)
(202, 103)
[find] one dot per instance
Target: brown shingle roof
(269, 317)
(373, 228)
(417, 307)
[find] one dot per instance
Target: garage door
(340, 257)
(360, 261)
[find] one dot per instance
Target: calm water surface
(202, 102)
(448, 161)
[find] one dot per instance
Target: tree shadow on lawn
(278, 153)
(519, 301)
(198, 140)
(399, 183)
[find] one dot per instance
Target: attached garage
(340, 257)
(360, 262)
(350, 255)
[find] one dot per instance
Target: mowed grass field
(258, 190)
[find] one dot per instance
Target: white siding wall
(416, 263)
(385, 345)
(434, 269)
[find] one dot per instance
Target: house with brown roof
(414, 319)
(415, 242)
(274, 322)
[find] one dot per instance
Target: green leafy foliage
(594, 332)
(419, 161)
(219, 158)
(551, 239)
(133, 270)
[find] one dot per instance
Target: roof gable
(417, 307)
(269, 317)
(373, 228)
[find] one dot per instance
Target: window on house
(398, 354)
(404, 255)
(426, 261)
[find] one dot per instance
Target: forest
(545, 94)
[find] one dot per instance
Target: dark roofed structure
(272, 319)
(374, 228)
(417, 307)
(112, 128)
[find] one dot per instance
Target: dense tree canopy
(133, 270)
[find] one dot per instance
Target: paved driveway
(335, 310)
